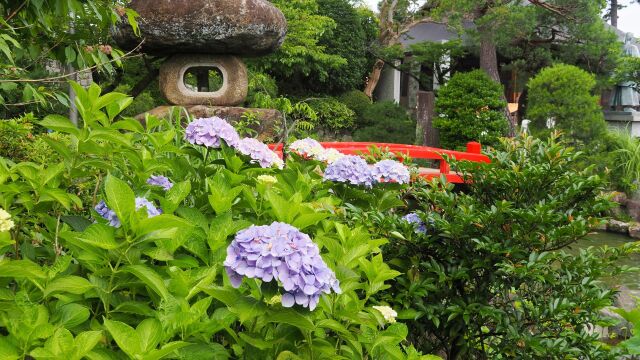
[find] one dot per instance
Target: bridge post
(474, 147)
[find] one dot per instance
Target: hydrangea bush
(102, 256)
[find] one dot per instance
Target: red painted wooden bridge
(473, 153)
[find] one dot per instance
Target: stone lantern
(196, 36)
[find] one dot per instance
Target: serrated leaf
(61, 124)
(68, 284)
(120, 198)
(125, 336)
(149, 278)
(99, 235)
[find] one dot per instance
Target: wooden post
(426, 134)
(474, 147)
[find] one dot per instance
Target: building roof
(437, 32)
(432, 31)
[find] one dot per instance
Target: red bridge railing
(473, 153)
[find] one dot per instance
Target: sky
(629, 20)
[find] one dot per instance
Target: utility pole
(73, 110)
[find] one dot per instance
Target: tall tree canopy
(539, 31)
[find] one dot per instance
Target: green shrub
(621, 157)
(564, 93)
(387, 122)
(470, 108)
(332, 114)
(260, 83)
(20, 141)
(488, 277)
(357, 101)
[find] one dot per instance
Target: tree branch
(15, 12)
(65, 76)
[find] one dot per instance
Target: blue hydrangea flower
(159, 180)
(103, 210)
(210, 131)
(416, 221)
(107, 214)
(260, 153)
(152, 210)
(280, 251)
(350, 169)
(391, 171)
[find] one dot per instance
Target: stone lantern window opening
(204, 79)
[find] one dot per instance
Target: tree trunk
(426, 134)
(489, 64)
(489, 58)
(374, 78)
(614, 13)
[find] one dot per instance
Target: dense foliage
(147, 281)
(563, 96)
(386, 121)
(470, 108)
(486, 275)
(41, 40)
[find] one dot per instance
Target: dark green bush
(387, 122)
(489, 277)
(332, 114)
(470, 108)
(357, 101)
(564, 93)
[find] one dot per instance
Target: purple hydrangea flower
(260, 153)
(159, 180)
(391, 171)
(107, 214)
(209, 132)
(416, 221)
(152, 210)
(280, 251)
(350, 169)
(103, 210)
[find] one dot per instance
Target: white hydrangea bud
(388, 313)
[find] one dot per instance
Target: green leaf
(335, 326)
(120, 198)
(125, 336)
(166, 350)
(306, 220)
(68, 284)
(72, 315)
(70, 54)
(177, 194)
(5, 239)
(288, 355)
(21, 269)
(150, 278)
(256, 342)
(291, 317)
(150, 334)
(245, 307)
(78, 223)
(84, 343)
(283, 210)
(7, 350)
(61, 124)
(99, 235)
